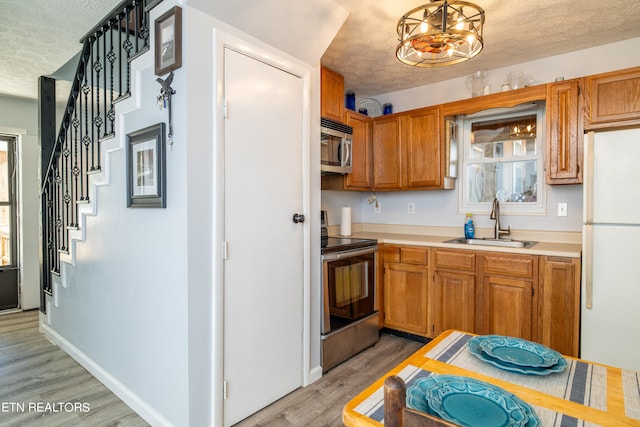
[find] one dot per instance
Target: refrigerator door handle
(588, 266)
(588, 177)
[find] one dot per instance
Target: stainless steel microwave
(335, 148)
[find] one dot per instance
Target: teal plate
(476, 350)
(469, 402)
(519, 352)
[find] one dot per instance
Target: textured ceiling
(37, 37)
(516, 31)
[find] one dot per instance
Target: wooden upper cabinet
(422, 149)
(331, 94)
(559, 304)
(564, 132)
(408, 150)
(387, 153)
(613, 99)
(360, 176)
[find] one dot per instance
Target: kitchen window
(503, 158)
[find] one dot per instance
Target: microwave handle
(346, 151)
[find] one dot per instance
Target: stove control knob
(298, 218)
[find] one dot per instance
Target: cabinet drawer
(509, 265)
(456, 260)
(414, 255)
(417, 255)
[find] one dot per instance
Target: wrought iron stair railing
(102, 79)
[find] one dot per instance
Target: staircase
(102, 79)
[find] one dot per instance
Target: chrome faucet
(495, 214)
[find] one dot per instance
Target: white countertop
(548, 243)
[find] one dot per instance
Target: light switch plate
(562, 209)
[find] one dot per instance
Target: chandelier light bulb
(424, 27)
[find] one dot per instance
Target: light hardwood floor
(36, 375)
(33, 370)
(321, 403)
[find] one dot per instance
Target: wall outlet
(562, 209)
(411, 208)
(378, 207)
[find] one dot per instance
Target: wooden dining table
(583, 394)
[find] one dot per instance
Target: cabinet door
(422, 149)
(405, 297)
(360, 176)
(454, 302)
(331, 94)
(507, 306)
(564, 132)
(387, 158)
(613, 99)
(559, 304)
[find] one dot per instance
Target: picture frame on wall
(146, 167)
(168, 41)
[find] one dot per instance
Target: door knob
(298, 218)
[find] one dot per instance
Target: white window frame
(539, 207)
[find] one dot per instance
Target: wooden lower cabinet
(534, 297)
(406, 297)
(453, 301)
(507, 306)
(406, 288)
(559, 308)
(454, 284)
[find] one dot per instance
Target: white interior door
(263, 272)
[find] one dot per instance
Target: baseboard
(132, 400)
(315, 374)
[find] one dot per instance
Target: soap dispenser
(469, 230)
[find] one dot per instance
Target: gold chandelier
(440, 33)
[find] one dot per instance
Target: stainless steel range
(350, 318)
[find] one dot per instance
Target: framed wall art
(168, 40)
(146, 164)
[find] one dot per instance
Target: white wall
(440, 208)
(20, 116)
(143, 303)
(124, 305)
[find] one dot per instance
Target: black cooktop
(337, 244)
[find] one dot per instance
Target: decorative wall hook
(164, 101)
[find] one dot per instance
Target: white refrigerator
(610, 312)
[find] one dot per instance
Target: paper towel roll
(345, 224)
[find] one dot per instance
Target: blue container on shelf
(350, 100)
(387, 109)
(363, 111)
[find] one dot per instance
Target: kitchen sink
(487, 241)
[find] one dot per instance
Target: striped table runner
(373, 407)
(580, 382)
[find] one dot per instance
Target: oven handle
(347, 254)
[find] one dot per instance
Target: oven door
(349, 287)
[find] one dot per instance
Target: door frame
(278, 59)
(14, 202)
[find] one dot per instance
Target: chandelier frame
(440, 33)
